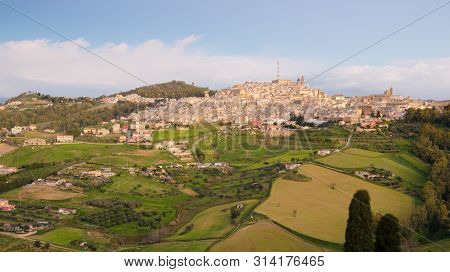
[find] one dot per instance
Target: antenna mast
(278, 70)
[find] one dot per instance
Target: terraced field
(319, 208)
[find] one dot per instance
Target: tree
(359, 232)
(435, 209)
(37, 243)
(440, 175)
(387, 234)
(200, 155)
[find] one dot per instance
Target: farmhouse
(102, 131)
(122, 139)
(32, 127)
(16, 130)
(5, 206)
(34, 142)
(291, 166)
(67, 211)
(90, 130)
(164, 144)
(323, 152)
(99, 173)
(116, 128)
(64, 138)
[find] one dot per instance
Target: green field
(10, 244)
(438, 246)
(63, 236)
(132, 160)
(59, 153)
(190, 246)
(317, 210)
(405, 165)
(251, 151)
(265, 237)
(40, 134)
(128, 183)
(195, 132)
(214, 222)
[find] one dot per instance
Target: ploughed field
(319, 208)
(5, 148)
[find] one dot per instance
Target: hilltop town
(140, 169)
(266, 105)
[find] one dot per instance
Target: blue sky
(310, 35)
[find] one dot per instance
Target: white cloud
(62, 68)
(421, 78)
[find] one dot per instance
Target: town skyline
(154, 49)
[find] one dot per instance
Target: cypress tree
(387, 234)
(359, 232)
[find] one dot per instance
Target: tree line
(171, 90)
(432, 115)
(28, 174)
(430, 129)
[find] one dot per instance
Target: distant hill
(30, 98)
(3, 100)
(173, 89)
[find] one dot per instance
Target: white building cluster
(276, 101)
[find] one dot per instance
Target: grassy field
(196, 131)
(214, 222)
(43, 192)
(315, 209)
(59, 153)
(10, 244)
(127, 183)
(135, 159)
(191, 246)
(410, 168)
(40, 134)
(266, 237)
(438, 246)
(247, 150)
(63, 236)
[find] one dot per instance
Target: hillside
(30, 98)
(173, 89)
